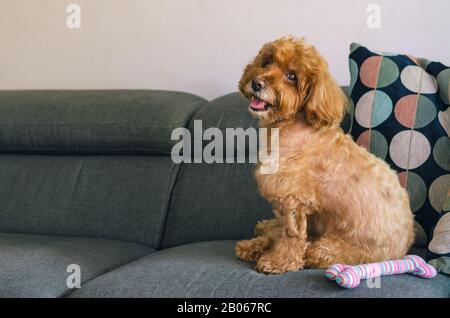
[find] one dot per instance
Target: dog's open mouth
(258, 105)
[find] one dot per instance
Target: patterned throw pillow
(402, 115)
(439, 246)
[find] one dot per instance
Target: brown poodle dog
(334, 202)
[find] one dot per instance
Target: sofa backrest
(89, 163)
(216, 201)
(97, 164)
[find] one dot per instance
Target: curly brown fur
(334, 202)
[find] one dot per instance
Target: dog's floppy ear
(325, 103)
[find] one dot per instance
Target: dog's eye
(291, 77)
(266, 62)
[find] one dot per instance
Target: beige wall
(199, 46)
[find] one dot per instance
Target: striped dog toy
(350, 276)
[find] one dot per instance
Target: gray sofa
(87, 179)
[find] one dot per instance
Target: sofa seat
(210, 269)
(35, 265)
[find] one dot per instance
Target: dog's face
(289, 79)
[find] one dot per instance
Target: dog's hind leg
(328, 250)
(251, 250)
(267, 232)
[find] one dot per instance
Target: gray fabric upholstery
(229, 111)
(35, 265)
(214, 202)
(113, 197)
(210, 269)
(93, 121)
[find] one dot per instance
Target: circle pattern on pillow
(441, 153)
(374, 142)
(417, 80)
(409, 149)
(438, 192)
(401, 115)
(416, 188)
(369, 116)
(353, 67)
(415, 111)
(444, 120)
(378, 71)
(443, 79)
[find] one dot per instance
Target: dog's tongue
(257, 103)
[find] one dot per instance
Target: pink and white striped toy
(350, 276)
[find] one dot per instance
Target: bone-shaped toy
(350, 276)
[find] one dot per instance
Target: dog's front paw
(267, 264)
(251, 250)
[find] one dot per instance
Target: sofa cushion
(35, 265)
(210, 269)
(112, 197)
(93, 121)
(214, 202)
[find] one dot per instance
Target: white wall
(198, 46)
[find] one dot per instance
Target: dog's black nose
(257, 85)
